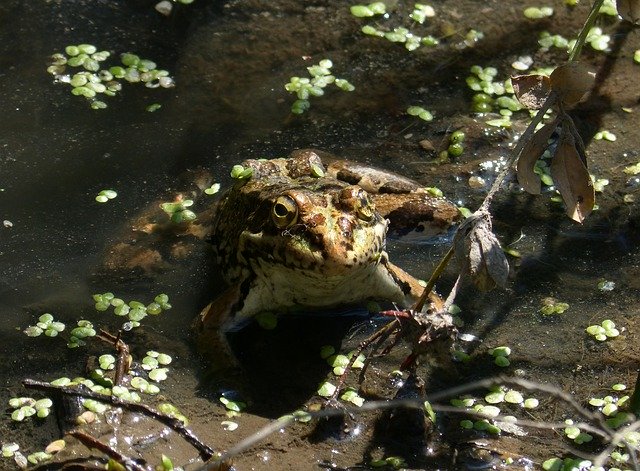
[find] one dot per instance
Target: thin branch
(91, 442)
(176, 425)
(584, 32)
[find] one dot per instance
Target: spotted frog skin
(297, 233)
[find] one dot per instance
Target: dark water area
(230, 61)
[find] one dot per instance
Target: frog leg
(211, 327)
(412, 288)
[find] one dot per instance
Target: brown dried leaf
(572, 179)
(531, 152)
(531, 90)
(479, 252)
(629, 10)
(571, 81)
(495, 259)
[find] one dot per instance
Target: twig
(432, 281)
(91, 442)
(176, 425)
(600, 428)
(526, 136)
(584, 32)
(124, 358)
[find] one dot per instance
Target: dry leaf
(629, 10)
(531, 90)
(571, 81)
(531, 152)
(571, 177)
(479, 252)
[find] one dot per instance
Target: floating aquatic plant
(92, 80)
(134, 310)
(47, 325)
(178, 212)
(106, 195)
(606, 330)
(304, 88)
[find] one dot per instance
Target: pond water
(230, 61)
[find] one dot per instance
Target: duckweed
(326, 351)
(606, 135)
(606, 285)
(304, 88)
(240, 173)
(107, 362)
(213, 189)
(39, 457)
(178, 212)
(229, 425)
(535, 13)
(399, 34)
(500, 355)
(606, 329)
(351, 395)
(172, 411)
(95, 80)
(27, 406)
(134, 310)
(47, 325)
(551, 306)
(365, 11)
(9, 449)
(574, 433)
(421, 12)
(326, 389)
(105, 195)
(420, 112)
(234, 406)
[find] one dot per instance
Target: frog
(308, 232)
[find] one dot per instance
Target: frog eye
(364, 208)
(355, 199)
(284, 212)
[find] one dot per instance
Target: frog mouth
(326, 253)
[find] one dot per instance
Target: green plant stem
(526, 137)
(591, 19)
(432, 281)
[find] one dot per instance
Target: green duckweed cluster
(537, 13)
(493, 421)
(134, 310)
(178, 211)
(238, 172)
(605, 330)
(106, 195)
(92, 80)
(305, 87)
(46, 325)
(551, 306)
(595, 38)
(27, 406)
(420, 112)
(339, 364)
(500, 356)
(12, 450)
(399, 34)
(492, 95)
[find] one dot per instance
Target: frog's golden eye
(284, 212)
(363, 205)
